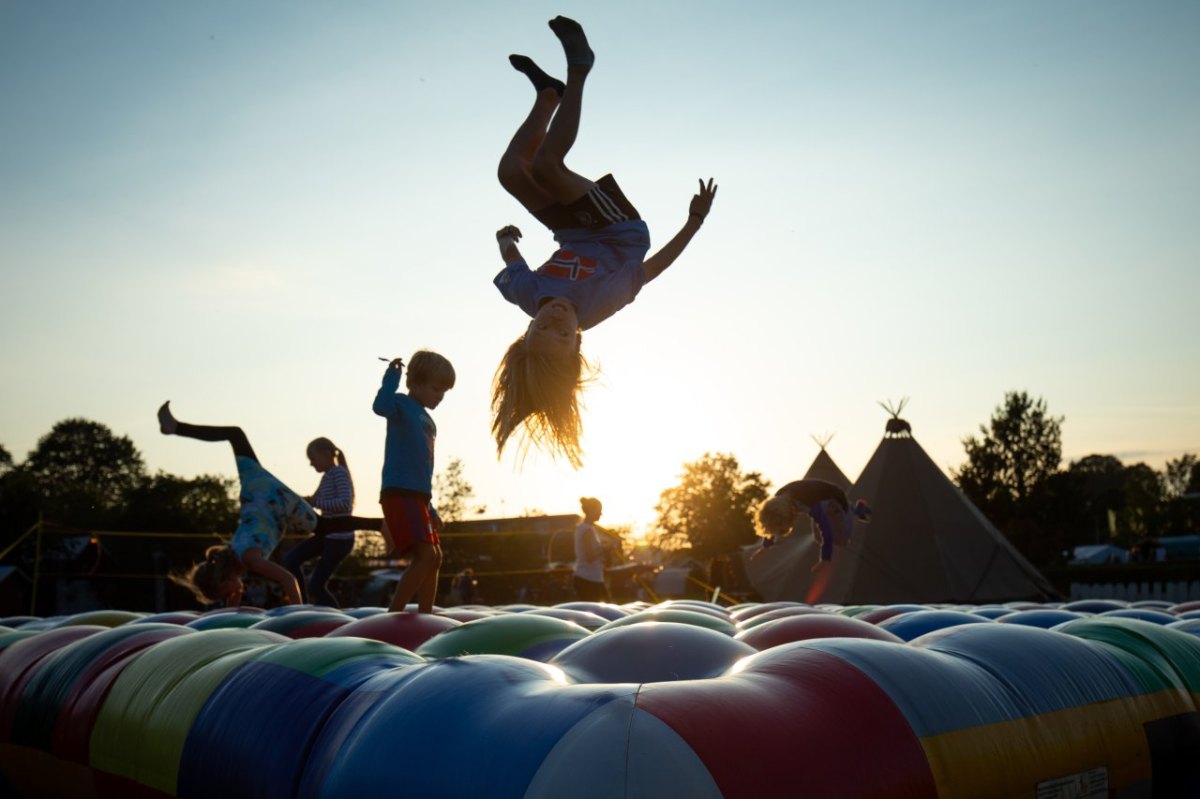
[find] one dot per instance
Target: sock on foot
(574, 41)
(537, 77)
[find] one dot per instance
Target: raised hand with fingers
(702, 201)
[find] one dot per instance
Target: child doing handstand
(269, 511)
(407, 489)
(826, 505)
(599, 268)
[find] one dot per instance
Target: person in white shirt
(590, 550)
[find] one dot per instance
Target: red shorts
(408, 519)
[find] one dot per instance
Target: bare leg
(549, 164)
(426, 560)
(427, 593)
(515, 170)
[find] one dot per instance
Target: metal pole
(37, 567)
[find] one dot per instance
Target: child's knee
(546, 168)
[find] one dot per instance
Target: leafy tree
(1181, 514)
(6, 460)
(712, 507)
(452, 491)
(1101, 480)
(84, 473)
(1180, 476)
(165, 502)
(19, 504)
(1021, 447)
(1142, 513)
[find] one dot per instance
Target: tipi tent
(823, 467)
(926, 543)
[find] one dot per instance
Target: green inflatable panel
(318, 656)
(516, 634)
(1171, 657)
(142, 727)
(9, 638)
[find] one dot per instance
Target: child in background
(407, 485)
(334, 497)
(269, 511)
(826, 505)
(600, 267)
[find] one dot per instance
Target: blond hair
(429, 367)
(540, 393)
(775, 517)
(205, 578)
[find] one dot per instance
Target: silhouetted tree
(1181, 512)
(1021, 447)
(1101, 479)
(712, 507)
(19, 504)
(6, 460)
(451, 490)
(165, 502)
(1180, 476)
(1142, 514)
(84, 472)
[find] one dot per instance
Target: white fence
(1169, 591)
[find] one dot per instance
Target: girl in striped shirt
(334, 497)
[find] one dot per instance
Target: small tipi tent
(823, 467)
(926, 542)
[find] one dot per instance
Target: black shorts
(604, 205)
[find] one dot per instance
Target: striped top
(335, 496)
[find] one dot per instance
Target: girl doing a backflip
(600, 265)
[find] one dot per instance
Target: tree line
(1013, 473)
(84, 475)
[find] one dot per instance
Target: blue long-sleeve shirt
(408, 448)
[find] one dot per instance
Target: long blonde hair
(540, 393)
(205, 578)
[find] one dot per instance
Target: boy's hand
(702, 201)
(397, 364)
(508, 232)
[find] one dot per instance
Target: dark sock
(537, 77)
(574, 42)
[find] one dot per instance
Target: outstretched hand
(397, 364)
(702, 201)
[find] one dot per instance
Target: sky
(241, 206)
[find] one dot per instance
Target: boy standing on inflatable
(826, 505)
(407, 488)
(599, 268)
